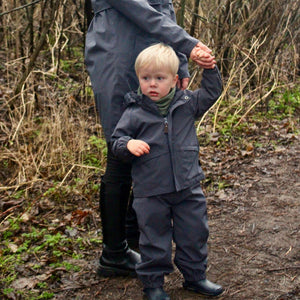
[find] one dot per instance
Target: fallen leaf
(13, 247)
(24, 282)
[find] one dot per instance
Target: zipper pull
(166, 126)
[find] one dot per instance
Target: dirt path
(255, 238)
(254, 249)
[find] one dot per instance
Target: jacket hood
(131, 98)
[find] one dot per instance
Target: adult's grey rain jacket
(119, 31)
(173, 162)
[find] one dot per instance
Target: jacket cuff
(120, 150)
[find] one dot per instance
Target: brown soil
(254, 248)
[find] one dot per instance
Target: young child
(157, 134)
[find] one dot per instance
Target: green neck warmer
(164, 103)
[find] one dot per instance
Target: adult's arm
(156, 24)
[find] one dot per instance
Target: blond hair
(158, 57)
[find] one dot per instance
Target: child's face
(156, 83)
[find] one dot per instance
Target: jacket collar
(148, 104)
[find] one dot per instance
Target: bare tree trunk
(40, 44)
(180, 14)
(194, 18)
(88, 12)
(30, 11)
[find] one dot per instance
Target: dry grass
(256, 44)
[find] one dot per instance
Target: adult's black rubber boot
(155, 294)
(132, 231)
(117, 258)
(118, 262)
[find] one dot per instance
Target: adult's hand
(203, 47)
(202, 56)
(183, 83)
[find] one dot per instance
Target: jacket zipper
(166, 125)
(166, 131)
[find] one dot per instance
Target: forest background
(52, 151)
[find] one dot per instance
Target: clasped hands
(203, 57)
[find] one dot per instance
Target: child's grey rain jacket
(173, 162)
(119, 31)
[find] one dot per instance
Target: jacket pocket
(147, 157)
(187, 162)
(153, 175)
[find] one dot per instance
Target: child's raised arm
(209, 92)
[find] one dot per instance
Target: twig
(20, 7)
(10, 187)
(37, 50)
(9, 210)
(283, 268)
(255, 103)
(80, 166)
(24, 112)
(82, 286)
